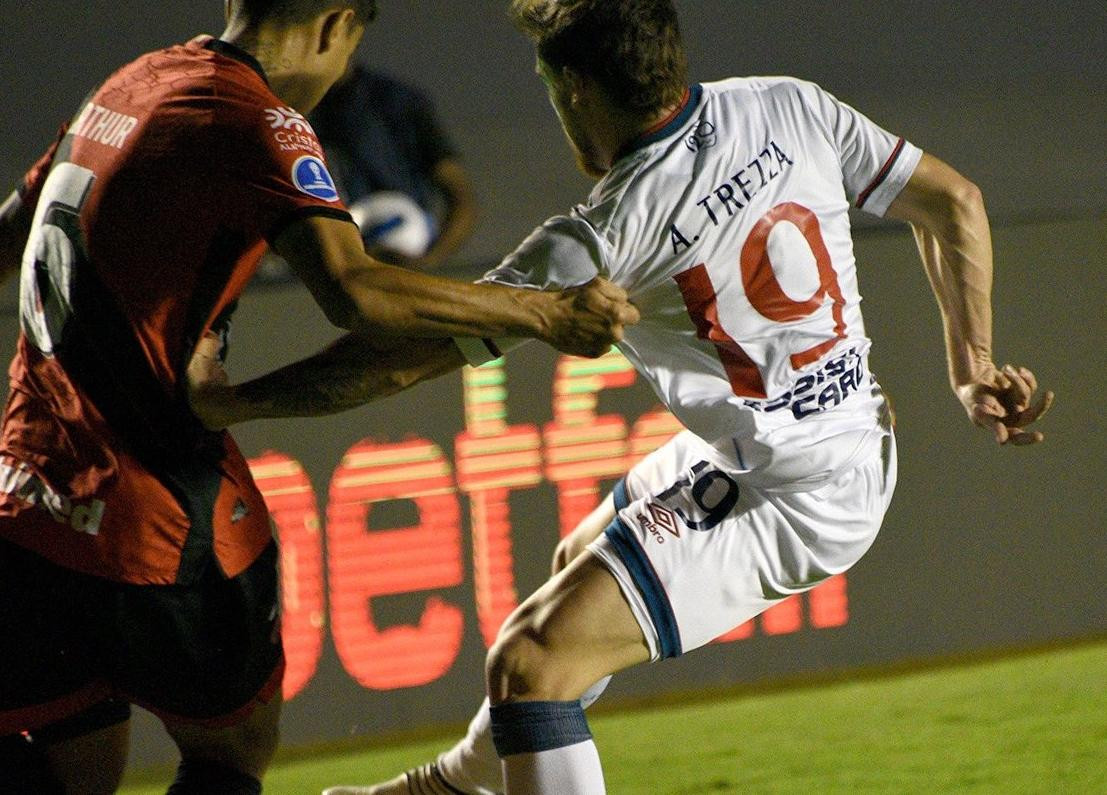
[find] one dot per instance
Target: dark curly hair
(632, 48)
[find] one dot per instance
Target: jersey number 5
(55, 249)
(765, 294)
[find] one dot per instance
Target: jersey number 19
(765, 294)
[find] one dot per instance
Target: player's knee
(247, 747)
(512, 667)
(525, 664)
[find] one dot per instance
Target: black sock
(204, 777)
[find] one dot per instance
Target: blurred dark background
(1014, 94)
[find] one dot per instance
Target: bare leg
(472, 765)
(93, 763)
(246, 748)
(572, 632)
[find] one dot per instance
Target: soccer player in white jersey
(722, 209)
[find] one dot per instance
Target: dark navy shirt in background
(381, 134)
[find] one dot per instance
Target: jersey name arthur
(105, 126)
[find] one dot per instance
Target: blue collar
(670, 124)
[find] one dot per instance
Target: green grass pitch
(1032, 723)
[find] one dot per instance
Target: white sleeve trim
(891, 179)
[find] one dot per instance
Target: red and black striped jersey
(152, 211)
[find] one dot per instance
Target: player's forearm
(347, 374)
(381, 300)
(396, 302)
(457, 227)
(391, 302)
(461, 211)
(956, 250)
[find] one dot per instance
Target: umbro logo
(659, 519)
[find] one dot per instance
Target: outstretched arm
(348, 373)
(408, 307)
(946, 213)
(358, 292)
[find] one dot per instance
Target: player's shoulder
(769, 86)
(775, 97)
(203, 73)
(244, 107)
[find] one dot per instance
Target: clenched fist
(588, 320)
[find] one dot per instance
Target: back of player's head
(632, 48)
(294, 12)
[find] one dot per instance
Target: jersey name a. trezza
(729, 227)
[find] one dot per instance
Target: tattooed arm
(343, 376)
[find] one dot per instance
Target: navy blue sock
(203, 777)
(527, 727)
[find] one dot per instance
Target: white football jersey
(728, 226)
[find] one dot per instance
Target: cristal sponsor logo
(288, 119)
(293, 131)
(291, 141)
(659, 518)
(24, 485)
(309, 175)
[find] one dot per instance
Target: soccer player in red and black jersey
(136, 558)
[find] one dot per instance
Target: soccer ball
(392, 222)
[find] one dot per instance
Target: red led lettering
(492, 459)
(365, 564)
(740, 632)
(291, 501)
(828, 604)
(783, 618)
(652, 430)
(581, 448)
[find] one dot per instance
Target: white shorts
(697, 551)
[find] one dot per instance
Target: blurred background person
(396, 167)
